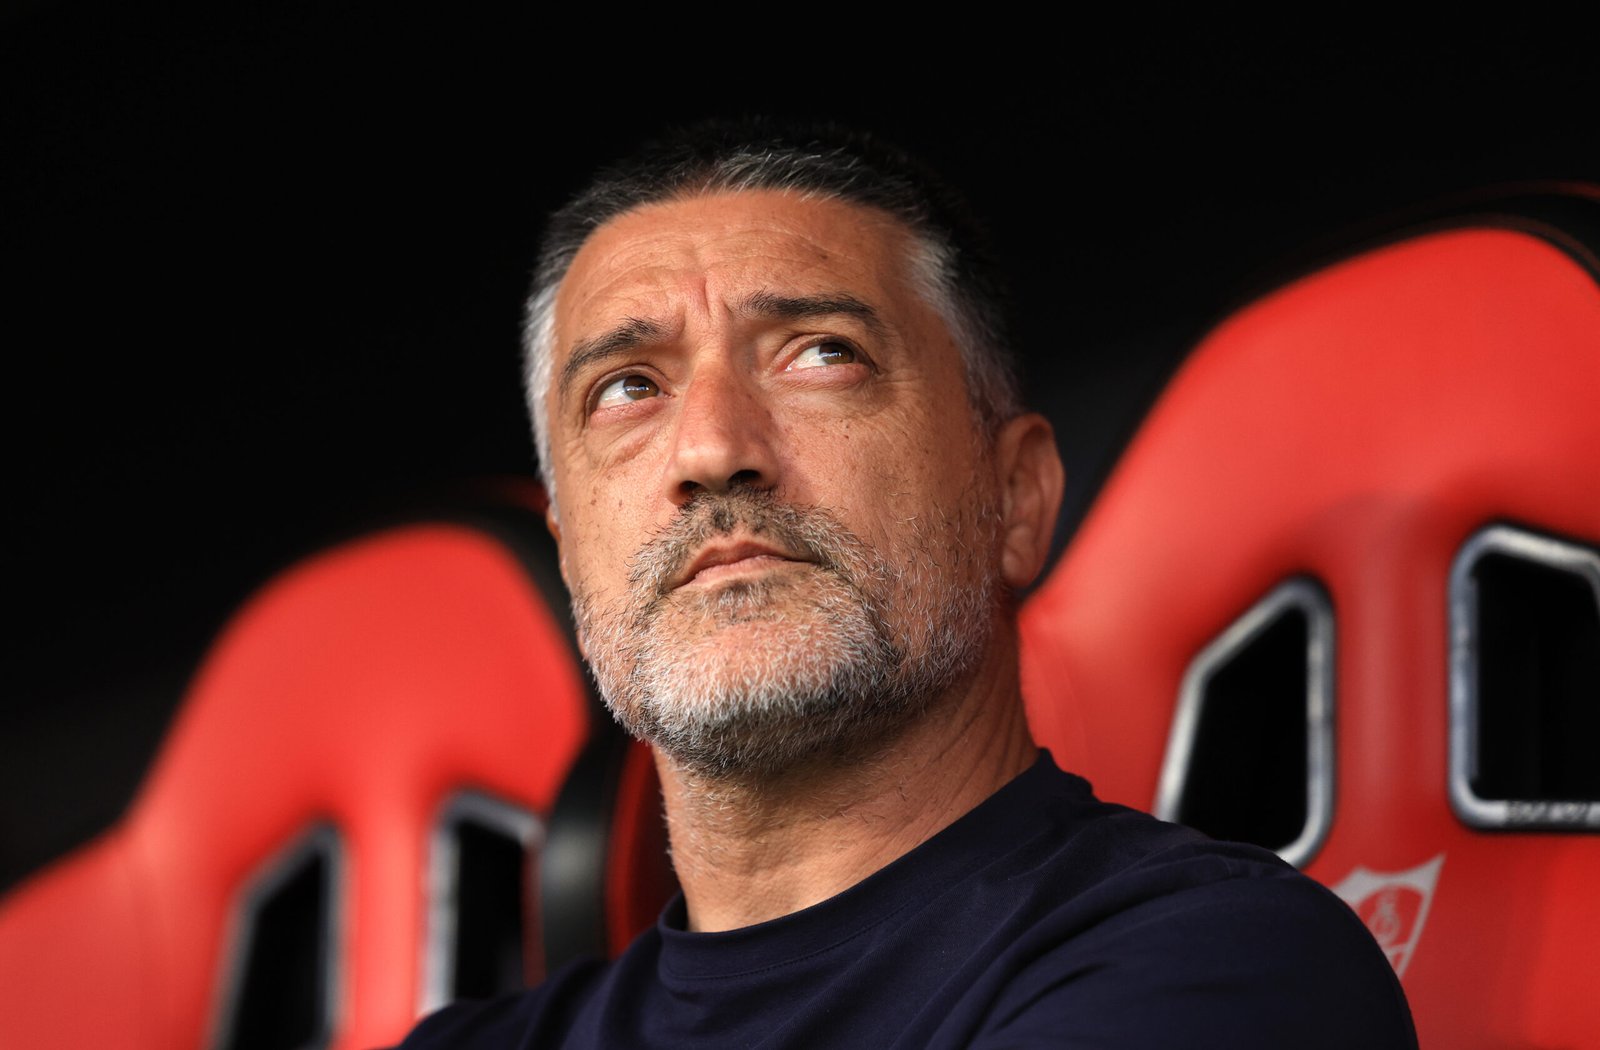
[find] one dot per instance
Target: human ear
(1031, 482)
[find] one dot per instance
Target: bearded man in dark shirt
(795, 493)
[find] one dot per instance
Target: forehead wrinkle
(631, 334)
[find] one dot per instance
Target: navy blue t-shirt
(1043, 918)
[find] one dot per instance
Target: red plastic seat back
(1357, 428)
(343, 709)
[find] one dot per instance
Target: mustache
(809, 533)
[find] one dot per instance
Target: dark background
(262, 273)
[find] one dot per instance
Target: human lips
(717, 560)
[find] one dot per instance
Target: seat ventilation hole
(1250, 754)
(282, 992)
(1525, 682)
(483, 913)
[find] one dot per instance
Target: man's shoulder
(1068, 865)
(1145, 927)
(1129, 875)
(1238, 961)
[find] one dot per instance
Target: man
(794, 494)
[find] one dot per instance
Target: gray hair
(950, 265)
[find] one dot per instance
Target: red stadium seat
(1374, 496)
(366, 752)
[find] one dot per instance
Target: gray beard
(857, 646)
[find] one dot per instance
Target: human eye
(626, 389)
(826, 352)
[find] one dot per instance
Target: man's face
(776, 518)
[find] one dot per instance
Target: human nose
(724, 437)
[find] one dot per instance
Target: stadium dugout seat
(1341, 597)
(336, 833)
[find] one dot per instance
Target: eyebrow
(801, 307)
(627, 336)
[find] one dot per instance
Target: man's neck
(748, 852)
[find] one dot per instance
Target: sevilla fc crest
(1394, 905)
